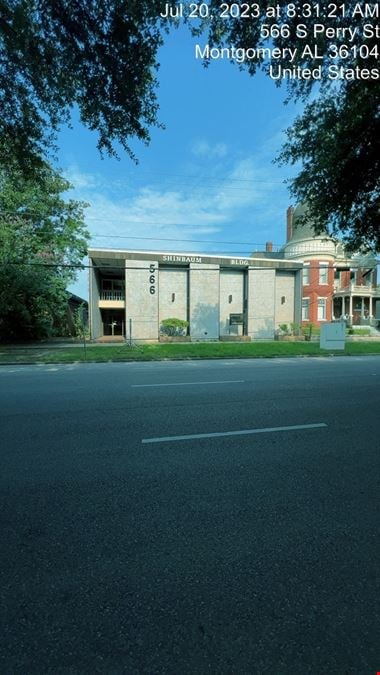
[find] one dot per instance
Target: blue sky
(209, 176)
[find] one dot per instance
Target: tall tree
(337, 138)
(99, 56)
(43, 240)
(102, 57)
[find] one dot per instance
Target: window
(305, 309)
(321, 309)
(306, 275)
(323, 273)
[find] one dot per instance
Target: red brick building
(335, 285)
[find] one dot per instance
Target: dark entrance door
(113, 322)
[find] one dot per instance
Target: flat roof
(102, 257)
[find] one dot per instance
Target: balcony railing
(354, 288)
(112, 295)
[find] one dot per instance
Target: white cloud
(202, 148)
(80, 180)
(243, 199)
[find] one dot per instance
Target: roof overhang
(117, 258)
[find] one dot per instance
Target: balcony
(112, 295)
(112, 299)
(354, 289)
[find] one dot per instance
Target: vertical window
(321, 309)
(305, 309)
(306, 275)
(323, 273)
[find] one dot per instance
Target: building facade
(334, 285)
(131, 293)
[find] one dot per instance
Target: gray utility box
(333, 335)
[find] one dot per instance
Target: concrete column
(141, 299)
(298, 297)
(231, 300)
(95, 318)
(204, 301)
(261, 303)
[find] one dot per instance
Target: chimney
(289, 223)
(269, 247)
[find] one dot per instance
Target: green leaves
(337, 138)
(98, 56)
(41, 237)
(337, 141)
(173, 326)
(102, 58)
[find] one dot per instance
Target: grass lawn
(154, 352)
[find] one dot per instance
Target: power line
(137, 222)
(194, 176)
(141, 222)
(199, 241)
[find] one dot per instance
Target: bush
(174, 327)
(310, 329)
(295, 328)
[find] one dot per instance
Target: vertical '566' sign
(152, 279)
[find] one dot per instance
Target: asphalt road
(125, 549)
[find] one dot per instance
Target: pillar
(204, 301)
(141, 299)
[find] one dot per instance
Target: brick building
(334, 284)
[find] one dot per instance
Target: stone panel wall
(284, 298)
(231, 300)
(173, 295)
(261, 303)
(204, 301)
(141, 298)
(96, 325)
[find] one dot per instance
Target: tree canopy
(102, 58)
(337, 137)
(99, 56)
(283, 26)
(43, 240)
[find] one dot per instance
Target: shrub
(295, 328)
(173, 327)
(310, 329)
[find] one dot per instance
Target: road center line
(244, 432)
(185, 384)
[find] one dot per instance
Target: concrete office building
(220, 296)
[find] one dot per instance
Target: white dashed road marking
(244, 432)
(185, 384)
